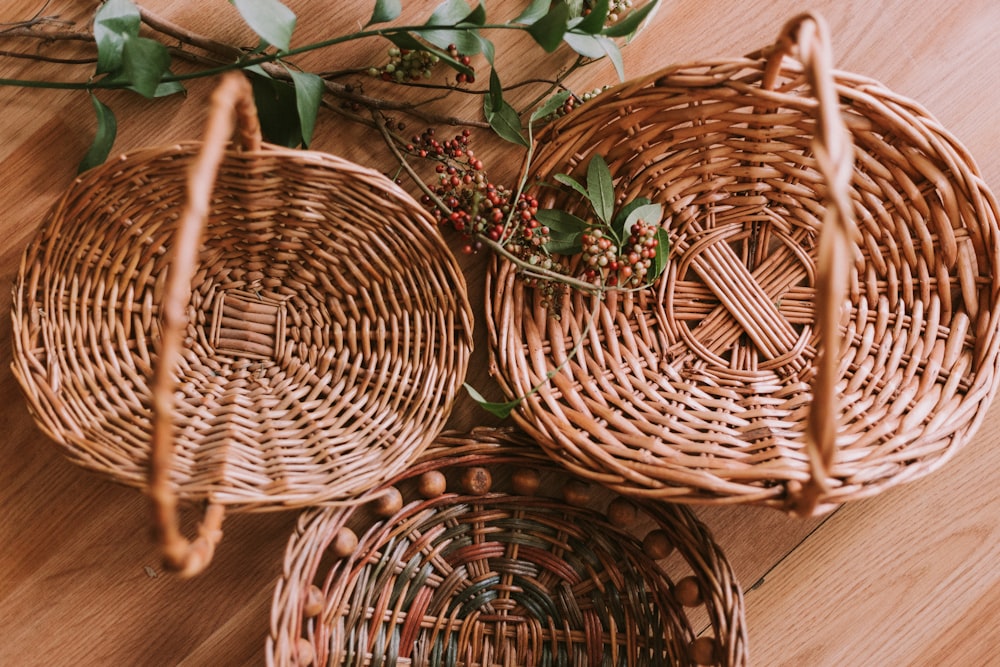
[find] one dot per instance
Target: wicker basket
(826, 325)
(478, 576)
(307, 350)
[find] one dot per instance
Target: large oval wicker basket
(487, 553)
(279, 327)
(826, 325)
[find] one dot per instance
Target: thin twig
(579, 63)
(182, 34)
(47, 59)
(47, 35)
(278, 71)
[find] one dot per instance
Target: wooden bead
(576, 493)
(657, 545)
(477, 481)
(306, 652)
(387, 504)
(622, 512)
(526, 481)
(703, 651)
(687, 591)
(314, 602)
(344, 543)
(432, 484)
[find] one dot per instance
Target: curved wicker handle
(232, 95)
(806, 38)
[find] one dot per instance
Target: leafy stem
(525, 267)
(452, 34)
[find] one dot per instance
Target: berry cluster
(627, 265)
(616, 9)
(406, 65)
(476, 206)
(573, 101)
(462, 77)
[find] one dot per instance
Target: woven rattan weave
(490, 554)
(826, 327)
(308, 351)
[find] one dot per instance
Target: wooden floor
(911, 577)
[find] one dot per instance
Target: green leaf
(564, 244)
(277, 108)
(593, 23)
(272, 21)
(662, 254)
(308, 95)
(114, 22)
(104, 139)
(144, 62)
(550, 106)
(501, 410)
(496, 91)
(477, 16)
(586, 45)
(534, 11)
(614, 55)
(627, 208)
(566, 179)
(385, 11)
(258, 70)
(650, 213)
(489, 51)
(500, 115)
(600, 188)
(561, 221)
(630, 24)
(466, 40)
(548, 31)
(405, 40)
(167, 88)
(505, 123)
(565, 231)
(451, 13)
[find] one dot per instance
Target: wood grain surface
(911, 577)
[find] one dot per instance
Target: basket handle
(232, 107)
(806, 38)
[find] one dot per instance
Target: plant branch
(49, 35)
(579, 63)
(47, 59)
(185, 36)
(526, 268)
(277, 71)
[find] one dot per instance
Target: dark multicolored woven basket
(451, 570)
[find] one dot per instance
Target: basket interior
(328, 325)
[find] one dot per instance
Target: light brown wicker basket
(513, 566)
(826, 326)
(278, 327)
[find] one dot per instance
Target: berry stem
(529, 269)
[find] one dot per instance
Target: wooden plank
(906, 578)
(888, 581)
